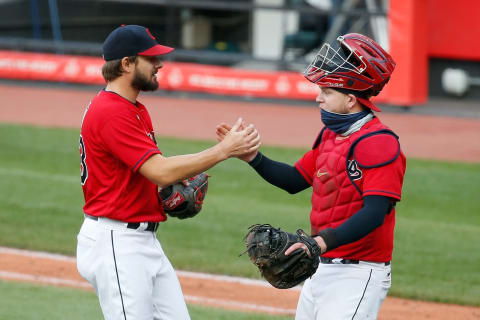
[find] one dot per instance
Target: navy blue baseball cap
(132, 40)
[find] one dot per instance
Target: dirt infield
(422, 136)
(217, 291)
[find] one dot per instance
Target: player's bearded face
(145, 80)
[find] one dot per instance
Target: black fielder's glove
(266, 248)
(185, 199)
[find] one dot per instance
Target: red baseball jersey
(340, 181)
(116, 138)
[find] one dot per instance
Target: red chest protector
(338, 187)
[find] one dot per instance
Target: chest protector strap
(319, 138)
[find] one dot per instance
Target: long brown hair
(112, 69)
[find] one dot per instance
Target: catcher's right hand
(266, 248)
(185, 199)
(223, 129)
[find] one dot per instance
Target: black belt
(152, 226)
(343, 261)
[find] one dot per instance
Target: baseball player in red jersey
(121, 169)
(356, 170)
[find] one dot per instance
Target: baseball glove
(184, 199)
(266, 248)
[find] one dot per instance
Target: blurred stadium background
(241, 50)
(434, 42)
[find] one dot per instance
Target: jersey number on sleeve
(83, 164)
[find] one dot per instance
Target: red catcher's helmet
(354, 62)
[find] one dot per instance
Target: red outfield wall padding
(418, 29)
(453, 29)
(421, 29)
(50, 67)
(408, 47)
(173, 76)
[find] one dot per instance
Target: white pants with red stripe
(344, 291)
(132, 277)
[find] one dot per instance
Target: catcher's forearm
(165, 171)
(360, 224)
(279, 174)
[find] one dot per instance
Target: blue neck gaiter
(340, 123)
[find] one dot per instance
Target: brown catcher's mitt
(184, 199)
(266, 248)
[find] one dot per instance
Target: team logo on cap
(150, 34)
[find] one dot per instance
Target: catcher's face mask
(336, 58)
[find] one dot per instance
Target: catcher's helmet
(353, 62)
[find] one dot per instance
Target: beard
(143, 83)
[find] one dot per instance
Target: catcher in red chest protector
(355, 169)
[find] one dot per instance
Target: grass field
(436, 253)
(51, 303)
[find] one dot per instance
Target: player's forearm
(279, 174)
(360, 224)
(181, 167)
(165, 171)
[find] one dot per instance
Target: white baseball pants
(132, 277)
(344, 291)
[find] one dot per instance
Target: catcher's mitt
(266, 248)
(184, 199)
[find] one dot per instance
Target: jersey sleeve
(385, 180)
(306, 165)
(129, 140)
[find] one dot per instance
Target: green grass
(35, 302)
(436, 253)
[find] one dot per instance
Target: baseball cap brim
(369, 104)
(156, 50)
